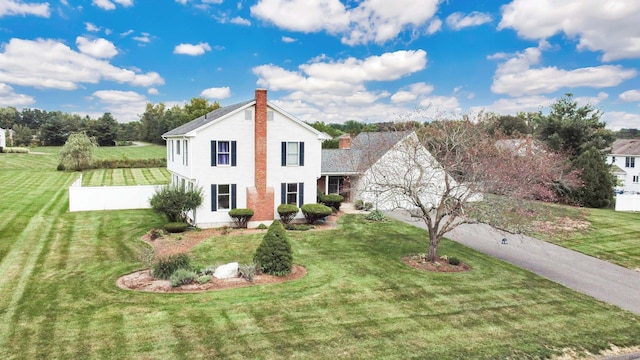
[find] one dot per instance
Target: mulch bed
(440, 265)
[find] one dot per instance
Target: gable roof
(206, 119)
(366, 149)
(626, 147)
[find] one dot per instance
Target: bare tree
(445, 174)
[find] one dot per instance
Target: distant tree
(53, 132)
(21, 135)
(77, 152)
(8, 117)
(331, 131)
(175, 202)
(628, 134)
(33, 118)
(198, 107)
(128, 131)
(152, 123)
(509, 125)
(106, 131)
(597, 178)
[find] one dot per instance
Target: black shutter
(300, 194)
(284, 154)
(214, 197)
(233, 196)
(233, 153)
(283, 193)
(301, 149)
(214, 153)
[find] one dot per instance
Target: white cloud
(607, 26)
(370, 21)
(46, 63)
(125, 106)
(91, 27)
(287, 39)
(8, 97)
(331, 90)
(458, 20)
(191, 49)
(415, 90)
(434, 26)
(441, 104)
(16, 7)
(109, 4)
(98, 48)
(126, 33)
(240, 21)
(512, 106)
(630, 96)
(216, 93)
(183, 2)
(617, 120)
(591, 100)
(516, 77)
(152, 91)
(144, 39)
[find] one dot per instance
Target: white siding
(626, 181)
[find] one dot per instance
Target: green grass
(613, 236)
(117, 177)
(58, 298)
(149, 151)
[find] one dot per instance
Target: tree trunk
(433, 246)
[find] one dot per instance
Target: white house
(378, 167)
(3, 139)
(247, 155)
(625, 161)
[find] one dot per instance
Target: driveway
(597, 278)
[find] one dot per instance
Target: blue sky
(326, 60)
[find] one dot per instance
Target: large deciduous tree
(445, 173)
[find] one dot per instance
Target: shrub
(77, 152)
(204, 279)
(287, 212)
(60, 167)
(210, 270)
(376, 215)
(359, 205)
(176, 227)
(15, 150)
(298, 227)
(241, 216)
(368, 206)
(175, 201)
(454, 261)
(274, 255)
(155, 233)
(125, 163)
(183, 277)
(262, 227)
(165, 266)
(247, 271)
(332, 200)
(313, 212)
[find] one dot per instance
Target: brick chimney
(260, 198)
(344, 142)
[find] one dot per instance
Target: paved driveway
(602, 280)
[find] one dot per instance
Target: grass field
(148, 151)
(58, 297)
(613, 236)
(119, 177)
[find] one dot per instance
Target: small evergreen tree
(598, 180)
(274, 255)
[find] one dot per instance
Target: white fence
(628, 202)
(109, 197)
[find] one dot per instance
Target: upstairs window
(185, 156)
(292, 153)
(630, 162)
(223, 153)
(178, 147)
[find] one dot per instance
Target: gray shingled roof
(626, 147)
(205, 119)
(366, 149)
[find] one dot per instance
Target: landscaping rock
(226, 271)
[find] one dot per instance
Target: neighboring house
(359, 164)
(247, 155)
(625, 161)
(3, 139)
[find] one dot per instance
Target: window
(613, 159)
(335, 184)
(223, 197)
(178, 147)
(635, 179)
(292, 153)
(185, 156)
(630, 162)
(170, 150)
(223, 153)
(292, 193)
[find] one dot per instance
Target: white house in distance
(3, 139)
(247, 155)
(625, 161)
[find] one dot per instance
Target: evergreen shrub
(274, 255)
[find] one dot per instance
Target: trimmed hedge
(176, 227)
(287, 212)
(332, 200)
(129, 163)
(274, 255)
(241, 216)
(314, 212)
